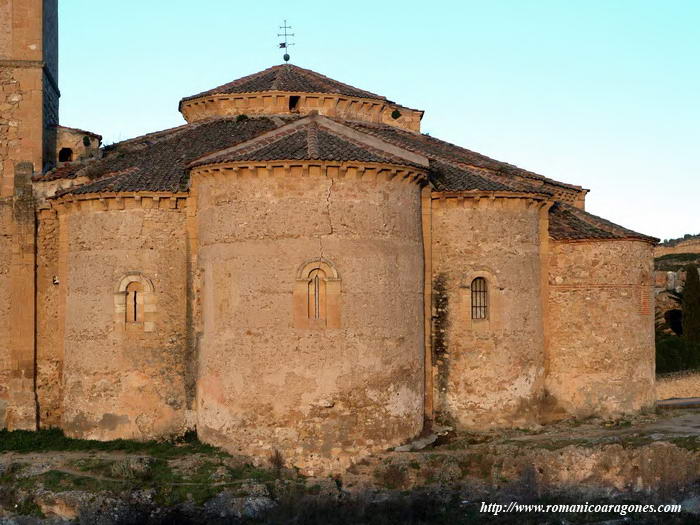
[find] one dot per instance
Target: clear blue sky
(601, 93)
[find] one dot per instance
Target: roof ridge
(427, 139)
(367, 147)
(312, 140)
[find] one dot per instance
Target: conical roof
(288, 78)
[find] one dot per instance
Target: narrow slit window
(479, 299)
(317, 295)
(134, 303)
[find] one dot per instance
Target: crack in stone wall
(330, 218)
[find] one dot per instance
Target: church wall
(601, 327)
(49, 312)
(5, 305)
(270, 380)
(487, 372)
(28, 103)
(123, 379)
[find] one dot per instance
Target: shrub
(674, 354)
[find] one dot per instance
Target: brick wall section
(320, 396)
(601, 327)
(123, 381)
(488, 373)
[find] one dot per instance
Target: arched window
(135, 302)
(317, 296)
(480, 306)
(65, 155)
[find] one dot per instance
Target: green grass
(54, 440)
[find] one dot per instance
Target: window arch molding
(134, 302)
(316, 295)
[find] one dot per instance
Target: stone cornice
(368, 171)
(277, 103)
(110, 201)
(477, 195)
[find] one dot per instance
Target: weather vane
(285, 45)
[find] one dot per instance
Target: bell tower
(28, 118)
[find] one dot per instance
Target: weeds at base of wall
(54, 439)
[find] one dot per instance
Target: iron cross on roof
(285, 45)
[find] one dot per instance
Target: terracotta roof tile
(446, 152)
(446, 177)
(157, 162)
(78, 130)
(287, 77)
(567, 222)
(66, 171)
(308, 142)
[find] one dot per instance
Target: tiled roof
(287, 77)
(567, 222)
(157, 162)
(67, 171)
(446, 177)
(119, 182)
(81, 131)
(444, 151)
(310, 141)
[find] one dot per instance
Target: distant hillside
(688, 244)
(675, 242)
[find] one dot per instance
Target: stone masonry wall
(49, 359)
(5, 304)
(319, 396)
(600, 327)
(25, 107)
(75, 140)
(488, 373)
(123, 380)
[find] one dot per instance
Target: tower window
(294, 103)
(86, 141)
(65, 155)
(479, 298)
